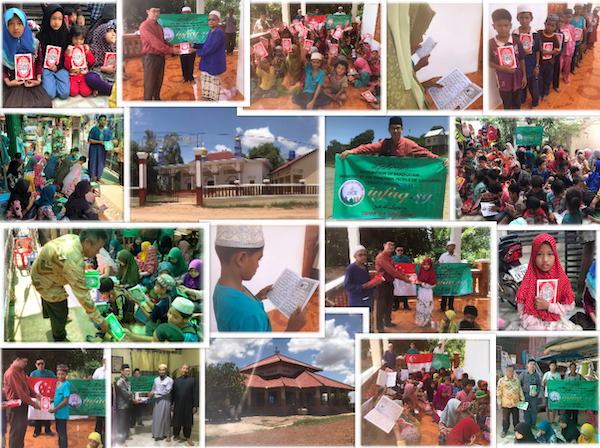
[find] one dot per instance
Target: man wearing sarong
(161, 417)
(185, 404)
(213, 60)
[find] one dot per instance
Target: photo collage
(429, 170)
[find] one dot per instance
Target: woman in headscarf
(31, 161)
(62, 171)
(536, 313)
(115, 248)
(184, 246)
(588, 434)
(443, 394)
(560, 158)
(593, 180)
(407, 22)
(106, 265)
(293, 70)
(426, 280)
(464, 433)
(20, 202)
(510, 150)
(193, 279)
(149, 263)
(101, 78)
(31, 181)
(546, 434)
(128, 273)
(71, 180)
(568, 428)
(18, 39)
(13, 173)
(164, 245)
(451, 415)
(78, 206)
(180, 267)
(523, 434)
(51, 167)
(53, 32)
(45, 203)
(364, 74)
(410, 391)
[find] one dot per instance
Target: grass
(321, 421)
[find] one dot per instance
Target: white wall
(457, 30)
(477, 359)
(284, 248)
(369, 21)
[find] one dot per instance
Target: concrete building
(304, 167)
(279, 385)
(437, 141)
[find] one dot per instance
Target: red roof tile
(279, 358)
(304, 381)
(285, 165)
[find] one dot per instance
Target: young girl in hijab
(193, 279)
(164, 267)
(546, 434)
(180, 267)
(443, 394)
(426, 281)
(147, 261)
(78, 206)
(128, 273)
(38, 178)
(164, 246)
(184, 247)
(20, 202)
(18, 39)
(77, 74)
(71, 180)
(364, 74)
(115, 248)
(568, 428)
(101, 78)
(535, 312)
(45, 203)
(448, 325)
(588, 434)
(293, 71)
(54, 33)
(464, 433)
(523, 434)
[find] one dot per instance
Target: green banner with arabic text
(181, 28)
(88, 397)
(573, 395)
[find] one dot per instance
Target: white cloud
(301, 150)
(137, 116)
(314, 140)
(222, 148)
(255, 137)
(333, 351)
(239, 130)
(222, 350)
(287, 143)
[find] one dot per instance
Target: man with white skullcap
(357, 280)
(448, 257)
(161, 416)
(187, 60)
(154, 48)
(340, 11)
(240, 249)
(213, 59)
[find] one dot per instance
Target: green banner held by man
(182, 28)
(573, 395)
(441, 360)
(87, 398)
(453, 279)
(368, 187)
(342, 20)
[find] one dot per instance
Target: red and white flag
(43, 386)
(418, 362)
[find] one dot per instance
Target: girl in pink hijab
(364, 74)
(71, 180)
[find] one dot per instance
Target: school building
(279, 385)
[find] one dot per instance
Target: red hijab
(462, 432)
(528, 289)
(427, 276)
(560, 157)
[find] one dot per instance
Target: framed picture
(117, 364)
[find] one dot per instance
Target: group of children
(528, 187)
(171, 281)
(62, 62)
(302, 72)
(528, 60)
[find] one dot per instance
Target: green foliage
(267, 151)
(223, 6)
(90, 367)
(268, 8)
(475, 244)
(451, 346)
(81, 362)
(336, 147)
(223, 381)
(323, 420)
(171, 149)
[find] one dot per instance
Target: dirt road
(190, 213)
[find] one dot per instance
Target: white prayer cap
(184, 306)
(340, 7)
(184, 9)
(357, 248)
(450, 242)
(163, 365)
(214, 12)
(523, 8)
(299, 10)
(242, 237)
(316, 56)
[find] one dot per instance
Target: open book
(291, 291)
(425, 49)
(386, 379)
(457, 92)
(385, 414)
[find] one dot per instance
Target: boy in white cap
(240, 249)
(448, 257)
(532, 55)
(187, 60)
(313, 96)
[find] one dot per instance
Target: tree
(267, 151)
(223, 382)
(451, 346)
(81, 362)
(171, 149)
(361, 139)
(333, 148)
(437, 126)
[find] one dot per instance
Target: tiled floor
(142, 435)
(476, 78)
(74, 102)
(77, 434)
(583, 90)
(173, 89)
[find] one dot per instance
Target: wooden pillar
(143, 179)
(318, 396)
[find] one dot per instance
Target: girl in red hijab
(464, 433)
(426, 281)
(535, 312)
(561, 157)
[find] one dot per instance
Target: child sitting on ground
(76, 71)
(573, 200)
(535, 214)
(516, 205)
(339, 80)
(266, 88)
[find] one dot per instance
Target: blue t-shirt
(577, 24)
(311, 83)
(401, 259)
(62, 392)
(545, 174)
(236, 311)
(45, 374)
(571, 218)
(159, 313)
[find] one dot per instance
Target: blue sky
(343, 129)
(220, 125)
(334, 353)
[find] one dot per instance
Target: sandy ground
(340, 433)
(175, 212)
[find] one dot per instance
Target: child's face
(562, 424)
(519, 436)
(513, 196)
(560, 23)
(468, 388)
(61, 375)
(316, 64)
(93, 444)
(81, 22)
(194, 273)
(375, 54)
(56, 20)
(111, 36)
(578, 10)
(122, 263)
(544, 166)
(250, 265)
(174, 317)
(426, 266)
(264, 64)
(560, 172)
(473, 176)
(470, 318)
(545, 258)
(78, 41)
(15, 27)
(524, 19)
(159, 289)
(340, 70)
(581, 186)
(568, 18)
(550, 26)
(73, 17)
(279, 53)
(172, 260)
(503, 27)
